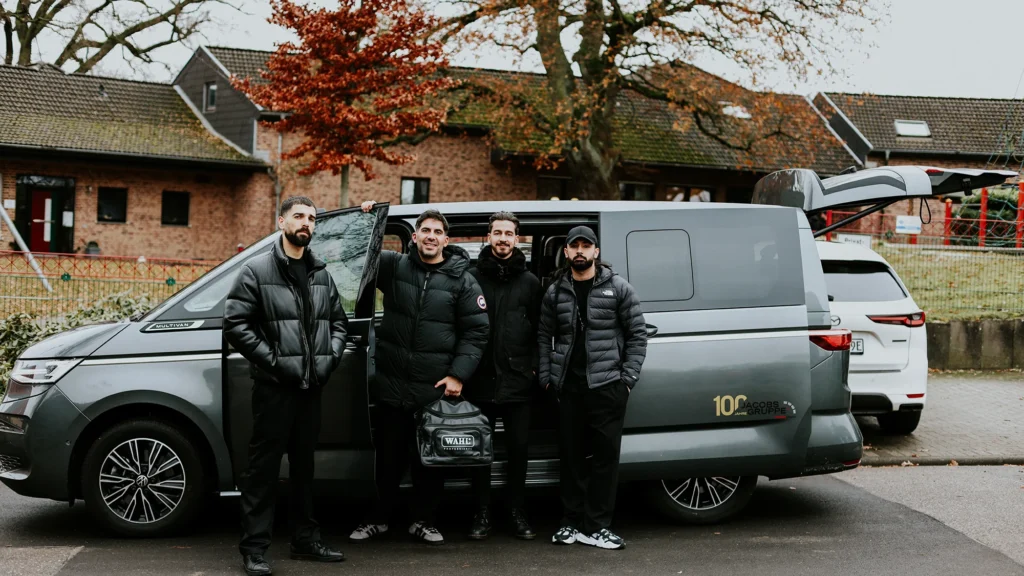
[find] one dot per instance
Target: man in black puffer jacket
(284, 315)
(503, 384)
(433, 334)
(593, 341)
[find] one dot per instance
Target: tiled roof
(45, 108)
(646, 129)
(958, 125)
(240, 62)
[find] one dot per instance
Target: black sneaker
(255, 565)
(604, 539)
(521, 525)
(481, 527)
(317, 552)
(566, 535)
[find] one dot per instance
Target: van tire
(166, 457)
(899, 423)
(673, 510)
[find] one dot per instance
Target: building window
(415, 190)
(112, 205)
(636, 191)
(913, 129)
(549, 187)
(174, 211)
(210, 97)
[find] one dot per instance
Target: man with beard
(502, 384)
(593, 341)
(432, 336)
(284, 315)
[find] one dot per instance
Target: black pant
(284, 419)
(516, 417)
(590, 418)
(394, 439)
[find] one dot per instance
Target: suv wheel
(703, 500)
(143, 478)
(899, 423)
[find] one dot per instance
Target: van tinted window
(861, 282)
(659, 264)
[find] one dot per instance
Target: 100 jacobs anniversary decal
(739, 405)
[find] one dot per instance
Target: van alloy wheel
(142, 480)
(701, 493)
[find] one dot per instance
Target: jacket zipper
(416, 322)
(305, 338)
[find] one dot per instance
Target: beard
(581, 264)
(502, 249)
(427, 252)
(297, 240)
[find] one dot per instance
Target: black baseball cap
(581, 232)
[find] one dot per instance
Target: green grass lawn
(955, 285)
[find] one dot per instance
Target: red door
(41, 228)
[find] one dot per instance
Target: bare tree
(595, 51)
(87, 31)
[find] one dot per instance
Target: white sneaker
(604, 539)
(364, 532)
(427, 534)
(566, 535)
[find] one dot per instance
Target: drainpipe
(277, 178)
(21, 243)
(887, 157)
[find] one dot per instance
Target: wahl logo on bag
(452, 442)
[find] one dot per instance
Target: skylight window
(735, 111)
(913, 129)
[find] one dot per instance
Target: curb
(935, 461)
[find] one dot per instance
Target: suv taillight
(908, 320)
(832, 340)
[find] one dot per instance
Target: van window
(861, 282)
(659, 265)
(749, 267)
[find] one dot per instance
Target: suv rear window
(861, 282)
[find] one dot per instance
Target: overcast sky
(926, 47)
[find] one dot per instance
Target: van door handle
(651, 330)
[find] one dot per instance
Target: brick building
(190, 169)
(884, 130)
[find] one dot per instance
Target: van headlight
(36, 372)
(32, 377)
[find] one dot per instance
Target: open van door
(873, 189)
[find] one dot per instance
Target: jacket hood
(604, 273)
(456, 259)
(495, 267)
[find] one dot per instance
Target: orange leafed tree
(597, 54)
(359, 78)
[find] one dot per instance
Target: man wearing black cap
(592, 341)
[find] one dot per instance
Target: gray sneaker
(425, 533)
(364, 532)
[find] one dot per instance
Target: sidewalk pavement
(970, 418)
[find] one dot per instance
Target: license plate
(857, 347)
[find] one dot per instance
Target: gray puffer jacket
(616, 331)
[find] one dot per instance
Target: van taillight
(908, 320)
(832, 340)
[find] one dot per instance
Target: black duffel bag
(453, 433)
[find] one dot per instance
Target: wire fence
(951, 269)
(65, 282)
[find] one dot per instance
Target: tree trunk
(8, 41)
(344, 186)
(593, 162)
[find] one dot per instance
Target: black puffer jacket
(435, 325)
(263, 321)
(506, 372)
(616, 331)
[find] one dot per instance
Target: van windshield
(861, 282)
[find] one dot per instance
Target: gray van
(146, 418)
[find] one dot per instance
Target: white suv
(889, 355)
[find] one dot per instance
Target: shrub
(19, 331)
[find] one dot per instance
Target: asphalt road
(906, 521)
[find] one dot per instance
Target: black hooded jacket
(435, 325)
(506, 373)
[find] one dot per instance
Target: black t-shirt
(300, 274)
(578, 357)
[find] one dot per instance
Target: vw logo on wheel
(836, 320)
